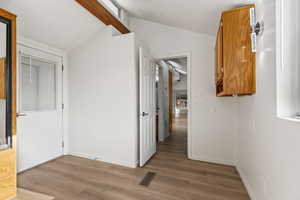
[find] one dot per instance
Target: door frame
(188, 55)
(170, 99)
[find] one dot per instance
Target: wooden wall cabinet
(235, 60)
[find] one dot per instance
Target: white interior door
(39, 122)
(147, 107)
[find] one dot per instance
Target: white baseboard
(246, 183)
(120, 163)
(212, 160)
(36, 165)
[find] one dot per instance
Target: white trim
(246, 183)
(24, 170)
(215, 160)
(39, 46)
(189, 73)
(109, 161)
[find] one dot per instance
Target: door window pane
(3, 40)
(38, 84)
(3, 138)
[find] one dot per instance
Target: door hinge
(62, 106)
(62, 67)
(252, 17)
(63, 144)
(253, 42)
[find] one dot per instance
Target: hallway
(177, 141)
(176, 177)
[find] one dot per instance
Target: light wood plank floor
(29, 195)
(73, 178)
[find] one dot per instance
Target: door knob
(21, 114)
(144, 114)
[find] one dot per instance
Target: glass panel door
(40, 121)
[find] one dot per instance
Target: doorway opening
(164, 109)
(172, 104)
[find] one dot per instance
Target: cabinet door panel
(239, 61)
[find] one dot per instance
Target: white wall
(213, 120)
(104, 99)
(268, 147)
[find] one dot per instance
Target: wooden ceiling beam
(99, 11)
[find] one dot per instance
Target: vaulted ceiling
(58, 23)
(64, 23)
(196, 15)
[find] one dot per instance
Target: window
(112, 7)
(288, 58)
(38, 84)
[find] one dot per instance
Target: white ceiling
(59, 23)
(196, 15)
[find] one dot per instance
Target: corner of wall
(246, 183)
